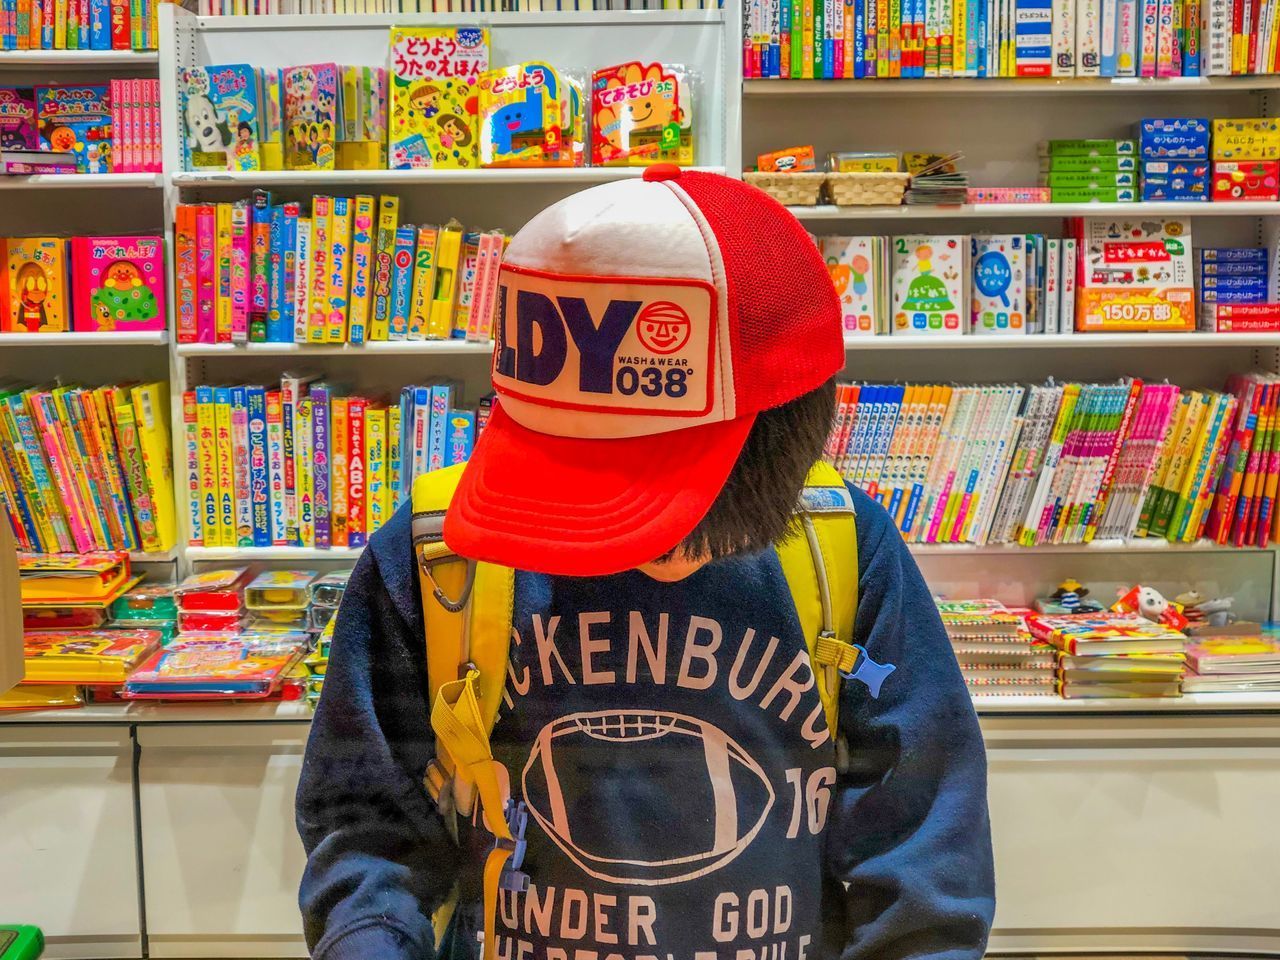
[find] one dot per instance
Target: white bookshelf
(83, 181)
(129, 60)
(392, 179)
(1024, 87)
(1027, 211)
(130, 338)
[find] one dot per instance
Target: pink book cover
(153, 115)
(206, 284)
(124, 132)
(135, 125)
(117, 125)
(117, 283)
(240, 242)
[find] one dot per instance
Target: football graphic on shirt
(717, 794)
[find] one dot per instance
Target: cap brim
(575, 507)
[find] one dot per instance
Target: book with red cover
(1101, 634)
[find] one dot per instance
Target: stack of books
(1234, 664)
(1112, 655)
(996, 652)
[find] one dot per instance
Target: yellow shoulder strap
(820, 562)
(466, 609)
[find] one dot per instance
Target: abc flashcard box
(858, 267)
(998, 300)
(117, 283)
(930, 285)
(220, 121)
(1135, 275)
(76, 120)
(433, 76)
(18, 119)
(36, 271)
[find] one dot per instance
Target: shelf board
(81, 181)
(549, 19)
(380, 348)
(206, 554)
(297, 711)
(85, 59)
(991, 211)
(525, 175)
(1067, 86)
(1064, 341)
(1139, 545)
(130, 338)
(141, 556)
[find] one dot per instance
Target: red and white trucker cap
(640, 327)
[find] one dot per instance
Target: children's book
(433, 71)
(1218, 655)
(1098, 634)
(858, 268)
(520, 117)
(18, 119)
(1136, 275)
(310, 116)
(998, 300)
(36, 268)
(641, 113)
(220, 117)
(77, 120)
(930, 285)
(117, 283)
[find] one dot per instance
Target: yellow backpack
(467, 608)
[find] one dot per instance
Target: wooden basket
(866, 189)
(792, 189)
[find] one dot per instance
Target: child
(677, 780)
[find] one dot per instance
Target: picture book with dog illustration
(433, 72)
(117, 283)
(310, 116)
(76, 119)
(220, 117)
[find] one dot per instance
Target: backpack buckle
(866, 670)
(427, 564)
(513, 878)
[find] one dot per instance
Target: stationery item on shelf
(1008, 195)
(642, 113)
(36, 275)
(930, 284)
(859, 271)
(1240, 317)
(1173, 139)
(310, 116)
(1176, 180)
(1135, 274)
(280, 590)
(73, 578)
(220, 591)
(118, 283)
(18, 124)
(213, 666)
(1092, 149)
(433, 75)
(791, 159)
(1246, 139)
(222, 116)
(1246, 180)
(76, 119)
(85, 656)
(998, 299)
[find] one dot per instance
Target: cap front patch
(609, 344)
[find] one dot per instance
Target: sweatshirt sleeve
(910, 836)
(379, 858)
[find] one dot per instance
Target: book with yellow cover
(303, 472)
(151, 405)
(395, 465)
(225, 461)
(321, 260)
(136, 475)
(383, 254)
(448, 252)
(338, 470)
(85, 656)
(1107, 633)
(378, 507)
(362, 230)
(1234, 655)
(42, 696)
(206, 434)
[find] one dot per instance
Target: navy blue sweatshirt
(671, 747)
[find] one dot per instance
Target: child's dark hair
(758, 502)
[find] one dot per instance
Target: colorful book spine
(304, 444)
(338, 290)
(260, 267)
(321, 257)
(357, 473)
(275, 469)
(384, 267)
(362, 267)
(302, 286)
(225, 461)
(241, 255)
(395, 458)
(223, 260)
(402, 282)
(207, 434)
(377, 490)
(339, 477)
(320, 453)
(185, 265)
(241, 490)
(259, 480)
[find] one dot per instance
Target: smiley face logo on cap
(663, 327)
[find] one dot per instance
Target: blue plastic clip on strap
(513, 878)
(869, 672)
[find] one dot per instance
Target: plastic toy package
(432, 74)
(213, 665)
(213, 590)
(531, 115)
(280, 590)
(642, 113)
